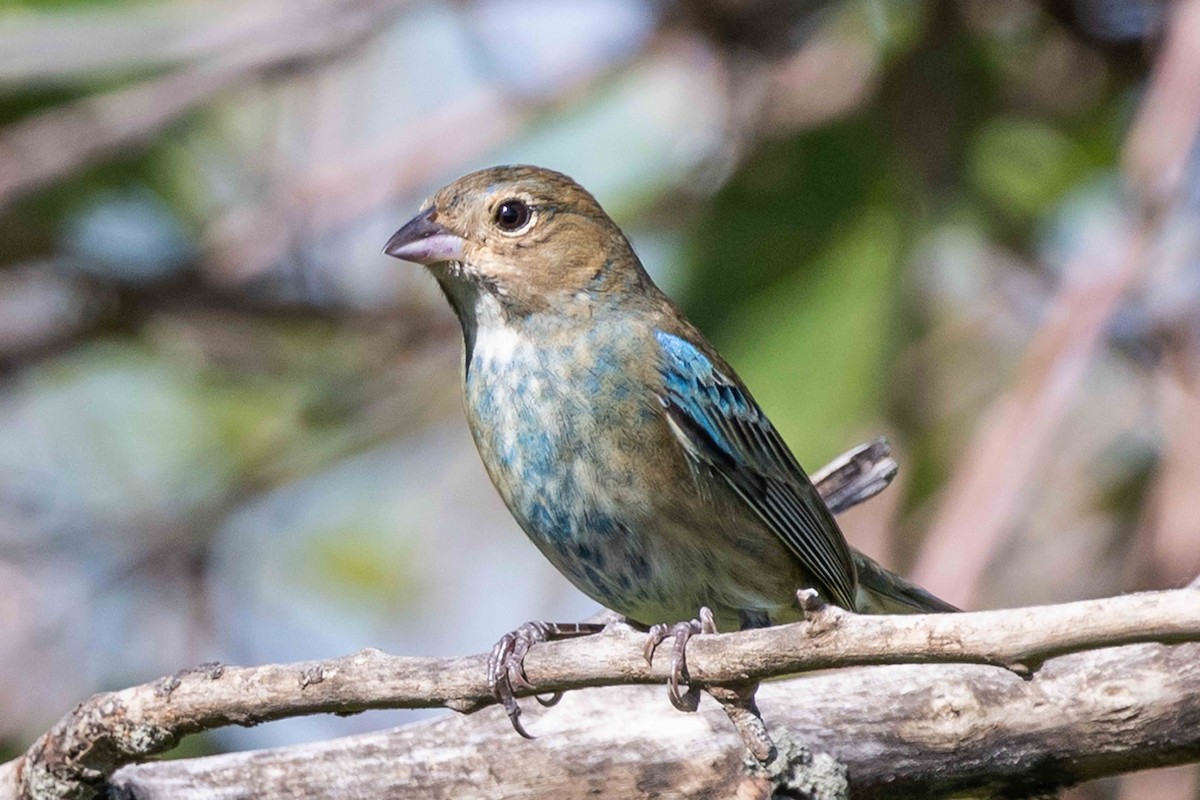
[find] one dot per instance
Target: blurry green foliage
(1023, 167)
(365, 562)
(778, 212)
(814, 345)
(799, 248)
(893, 25)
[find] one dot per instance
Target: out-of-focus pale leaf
(675, 103)
(130, 237)
(110, 445)
(539, 46)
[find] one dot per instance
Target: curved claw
(689, 701)
(552, 700)
(506, 664)
(654, 637)
(682, 632)
(499, 679)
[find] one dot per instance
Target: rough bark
(902, 732)
(112, 729)
(1091, 714)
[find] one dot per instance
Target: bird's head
(529, 237)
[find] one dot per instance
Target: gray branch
(901, 732)
(109, 730)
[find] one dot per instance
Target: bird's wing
(722, 429)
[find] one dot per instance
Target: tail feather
(881, 591)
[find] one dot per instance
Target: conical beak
(424, 241)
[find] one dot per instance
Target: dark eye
(512, 215)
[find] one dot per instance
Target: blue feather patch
(722, 430)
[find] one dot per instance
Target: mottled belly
(598, 493)
(652, 553)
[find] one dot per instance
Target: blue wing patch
(722, 429)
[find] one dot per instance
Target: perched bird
(627, 449)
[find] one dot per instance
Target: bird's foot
(682, 632)
(506, 664)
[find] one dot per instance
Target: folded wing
(722, 430)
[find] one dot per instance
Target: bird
(627, 449)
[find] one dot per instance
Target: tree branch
(76, 757)
(116, 728)
(901, 732)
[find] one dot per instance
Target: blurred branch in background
(988, 487)
(230, 48)
(1011, 451)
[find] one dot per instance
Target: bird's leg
(506, 664)
(737, 700)
(681, 631)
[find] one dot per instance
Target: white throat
(496, 342)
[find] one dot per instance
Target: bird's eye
(512, 215)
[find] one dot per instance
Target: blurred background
(230, 428)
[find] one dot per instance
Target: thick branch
(116, 728)
(902, 732)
